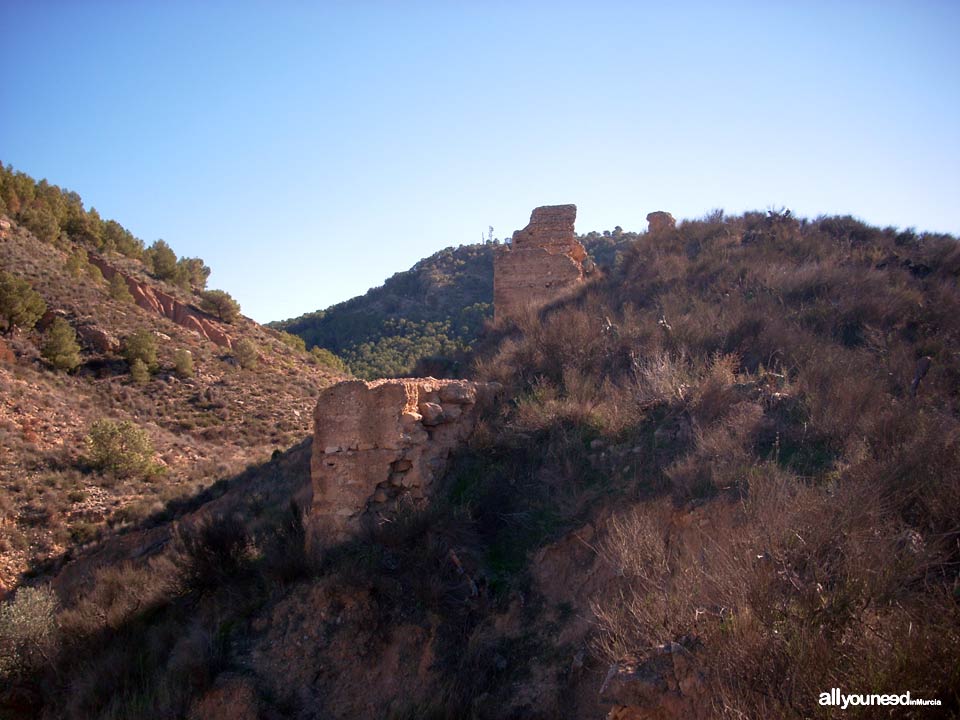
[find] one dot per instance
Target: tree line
(57, 216)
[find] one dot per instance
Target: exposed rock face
(543, 263)
(666, 685)
(377, 444)
(98, 339)
(660, 221)
(155, 300)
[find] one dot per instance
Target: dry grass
(740, 398)
(805, 525)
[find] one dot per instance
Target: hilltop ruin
(544, 262)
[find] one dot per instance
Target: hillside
(436, 308)
(716, 482)
(206, 414)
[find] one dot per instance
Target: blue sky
(307, 151)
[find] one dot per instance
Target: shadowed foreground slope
(739, 450)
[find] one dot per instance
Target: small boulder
(431, 412)
(458, 393)
(98, 339)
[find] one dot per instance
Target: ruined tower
(543, 263)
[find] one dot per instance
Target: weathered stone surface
(46, 320)
(544, 262)
(666, 685)
(660, 221)
(98, 339)
(379, 443)
(155, 300)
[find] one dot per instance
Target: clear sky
(309, 150)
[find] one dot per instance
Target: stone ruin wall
(378, 445)
(543, 263)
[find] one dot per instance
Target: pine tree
(221, 304)
(119, 290)
(139, 372)
(61, 348)
(20, 305)
(77, 262)
(142, 346)
(164, 260)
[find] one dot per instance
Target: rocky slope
(717, 481)
(204, 428)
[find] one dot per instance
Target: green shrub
(221, 304)
(142, 345)
(120, 448)
(41, 222)
(20, 305)
(183, 363)
(119, 290)
(163, 260)
(77, 262)
(95, 274)
(218, 550)
(191, 273)
(139, 372)
(28, 630)
(322, 356)
(293, 341)
(61, 348)
(246, 353)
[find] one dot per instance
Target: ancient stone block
(544, 263)
(377, 444)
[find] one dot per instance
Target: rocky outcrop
(377, 445)
(666, 685)
(155, 300)
(98, 339)
(544, 262)
(660, 221)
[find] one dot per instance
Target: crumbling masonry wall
(543, 263)
(377, 445)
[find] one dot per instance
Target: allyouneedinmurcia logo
(835, 698)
